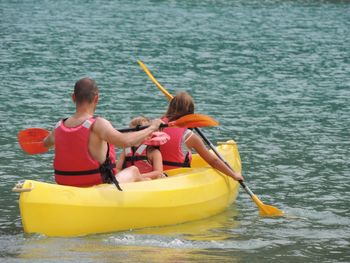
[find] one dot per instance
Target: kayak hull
(187, 194)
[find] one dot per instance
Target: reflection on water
(92, 252)
(177, 243)
(210, 229)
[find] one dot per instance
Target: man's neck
(84, 111)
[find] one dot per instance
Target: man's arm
(49, 141)
(106, 132)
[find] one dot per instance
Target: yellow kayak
(187, 194)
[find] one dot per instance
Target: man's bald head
(85, 90)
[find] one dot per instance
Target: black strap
(132, 159)
(85, 172)
(186, 162)
(176, 164)
(74, 173)
(107, 172)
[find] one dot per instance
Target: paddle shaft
(206, 140)
(139, 128)
(35, 136)
(187, 121)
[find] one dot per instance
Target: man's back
(97, 147)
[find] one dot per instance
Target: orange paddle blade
(266, 210)
(31, 140)
(194, 121)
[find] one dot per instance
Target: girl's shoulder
(153, 150)
(187, 134)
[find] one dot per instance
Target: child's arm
(156, 159)
(120, 161)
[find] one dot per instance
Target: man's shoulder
(101, 124)
(100, 120)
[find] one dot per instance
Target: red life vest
(174, 156)
(137, 156)
(73, 163)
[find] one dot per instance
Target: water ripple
(274, 73)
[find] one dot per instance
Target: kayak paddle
(264, 210)
(31, 139)
(187, 121)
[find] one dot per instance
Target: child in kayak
(177, 152)
(146, 156)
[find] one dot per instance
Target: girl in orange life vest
(146, 158)
(176, 152)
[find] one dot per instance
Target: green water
(276, 74)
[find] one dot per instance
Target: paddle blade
(266, 210)
(31, 140)
(194, 121)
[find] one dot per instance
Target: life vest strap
(135, 158)
(186, 162)
(86, 172)
(107, 174)
(176, 164)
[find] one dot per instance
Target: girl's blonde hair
(181, 105)
(139, 121)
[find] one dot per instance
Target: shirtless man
(84, 144)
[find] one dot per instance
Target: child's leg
(128, 175)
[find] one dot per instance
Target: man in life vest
(84, 144)
(146, 156)
(177, 151)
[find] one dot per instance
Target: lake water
(276, 74)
